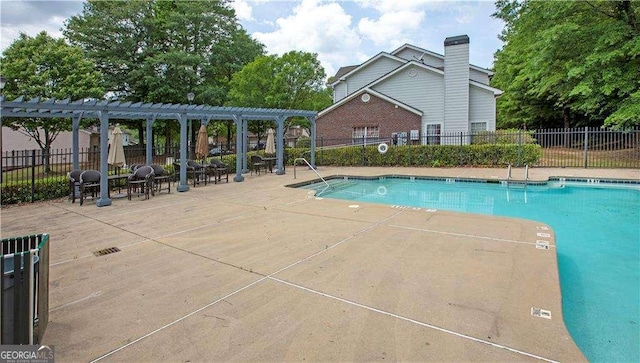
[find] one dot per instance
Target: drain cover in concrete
(106, 251)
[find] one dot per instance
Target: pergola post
(182, 185)
(280, 145)
(239, 151)
(104, 199)
(75, 126)
(245, 144)
(149, 136)
(312, 120)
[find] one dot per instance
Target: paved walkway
(256, 271)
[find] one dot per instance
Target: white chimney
(456, 84)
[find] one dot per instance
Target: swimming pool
(597, 227)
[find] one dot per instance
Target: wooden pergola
(151, 112)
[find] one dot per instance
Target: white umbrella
(116, 149)
(270, 147)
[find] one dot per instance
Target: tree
(159, 51)
(293, 81)
(45, 67)
(569, 63)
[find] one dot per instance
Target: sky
(341, 33)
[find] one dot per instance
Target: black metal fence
(579, 147)
(26, 166)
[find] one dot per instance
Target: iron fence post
(586, 146)
(363, 150)
(461, 147)
(519, 147)
(33, 174)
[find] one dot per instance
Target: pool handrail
(311, 167)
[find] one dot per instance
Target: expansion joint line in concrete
(245, 287)
(447, 331)
(465, 235)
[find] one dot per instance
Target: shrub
(303, 142)
(508, 136)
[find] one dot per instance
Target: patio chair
(217, 168)
(74, 184)
(160, 177)
(89, 184)
(197, 172)
(140, 182)
(257, 163)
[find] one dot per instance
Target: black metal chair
(74, 184)
(197, 172)
(160, 177)
(258, 163)
(89, 184)
(140, 182)
(217, 168)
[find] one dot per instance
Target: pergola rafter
(105, 110)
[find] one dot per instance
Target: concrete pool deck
(256, 271)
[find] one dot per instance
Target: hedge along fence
(44, 189)
(426, 155)
(415, 155)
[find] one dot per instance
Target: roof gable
(422, 50)
(375, 93)
(364, 65)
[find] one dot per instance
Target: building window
(477, 127)
(366, 134)
(433, 134)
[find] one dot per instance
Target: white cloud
(391, 28)
(243, 10)
(32, 17)
(319, 27)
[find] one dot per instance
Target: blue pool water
(597, 236)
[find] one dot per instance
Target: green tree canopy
(293, 81)
(160, 50)
(569, 63)
(42, 66)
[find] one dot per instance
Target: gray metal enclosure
(24, 301)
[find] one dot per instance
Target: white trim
(496, 92)
(373, 92)
(365, 64)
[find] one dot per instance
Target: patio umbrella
(202, 143)
(270, 147)
(116, 149)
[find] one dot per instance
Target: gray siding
(370, 73)
(422, 91)
(339, 91)
(482, 107)
(479, 76)
(427, 59)
(456, 88)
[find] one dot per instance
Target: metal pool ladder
(526, 175)
(311, 167)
